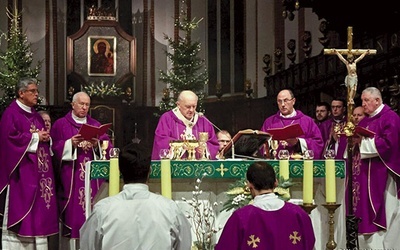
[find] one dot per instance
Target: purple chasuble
(370, 177)
(312, 134)
(72, 174)
(251, 227)
(32, 207)
(170, 128)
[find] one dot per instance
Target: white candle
(166, 189)
(308, 182)
(113, 187)
(330, 181)
(284, 169)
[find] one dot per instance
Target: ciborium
(104, 146)
(176, 149)
(190, 146)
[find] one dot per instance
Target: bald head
(187, 103)
(358, 114)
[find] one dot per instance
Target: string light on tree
(188, 71)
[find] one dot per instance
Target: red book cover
(290, 131)
(89, 131)
(361, 131)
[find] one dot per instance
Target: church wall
(312, 23)
(34, 25)
(259, 41)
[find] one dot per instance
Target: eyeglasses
(284, 101)
(81, 105)
(33, 91)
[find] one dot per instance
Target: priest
(28, 204)
(375, 193)
(71, 152)
(287, 115)
(184, 123)
(269, 222)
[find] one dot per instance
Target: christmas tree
(16, 62)
(188, 69)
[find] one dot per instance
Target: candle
(113, 187)
(284, 169)
(166, 189)
(308, 182)
(330, 181)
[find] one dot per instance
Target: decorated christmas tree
(16, 61)
(188, 70)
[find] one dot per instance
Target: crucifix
(351, 84)
(351, 63)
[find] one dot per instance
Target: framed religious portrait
(102, 57)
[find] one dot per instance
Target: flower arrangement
(102, 89)
(203, 218)
(239, 194)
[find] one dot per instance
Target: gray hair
(77, 94)
(374, 92)
(23, 84)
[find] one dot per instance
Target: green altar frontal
(219, 168)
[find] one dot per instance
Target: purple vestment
(170, 128)
(370, 177)
(312, 134)
(32, 207)
(251, 227)
(72, 174)
(327, 129)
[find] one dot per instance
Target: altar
(220, 174)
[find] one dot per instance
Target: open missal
(290, 131)
(246, 143)
(89, 131)
(364, 132)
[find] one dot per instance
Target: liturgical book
(246, 143)
(290, 131)
(89, 131)
(364, 132)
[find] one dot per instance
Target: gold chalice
(274, 146)
(104, 146)
(203, 138)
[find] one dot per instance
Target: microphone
(215, 126)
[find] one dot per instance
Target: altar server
(136, 218)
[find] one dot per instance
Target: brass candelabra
(331, 207)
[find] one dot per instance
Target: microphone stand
(233, 149)
(112, 136)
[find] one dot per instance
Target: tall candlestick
(113, 187)
(308, 182)
(166, 189)
(330, 181)
(284, 169)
